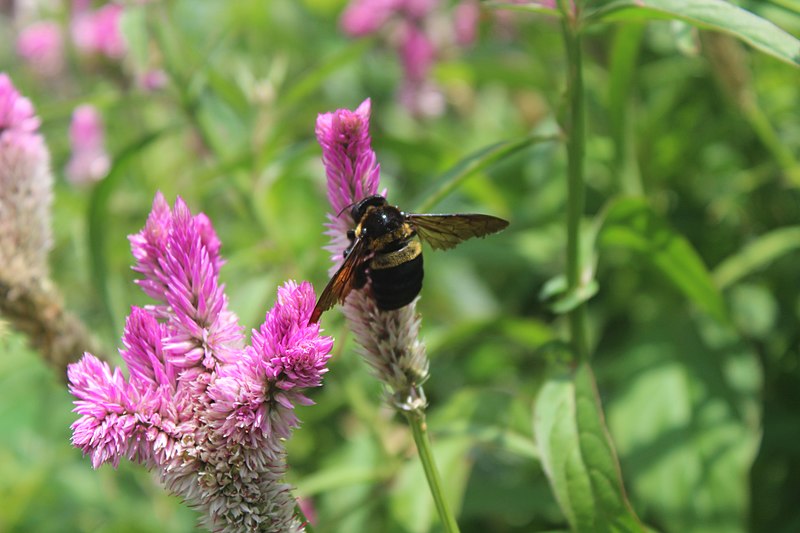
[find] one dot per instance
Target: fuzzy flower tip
(208, 413)
(389, 340)
(351, 168)
(25, 189)
(89, 161)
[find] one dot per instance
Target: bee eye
(351, 234)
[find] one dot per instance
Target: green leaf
(578, 456)
(684, 409)
(630, 223)
(475, 162)
(708, 14)
(563, 300)
(756, 255)
(315, 77)
(623, 60)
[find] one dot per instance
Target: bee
(385, 250)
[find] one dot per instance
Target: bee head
(360, 208)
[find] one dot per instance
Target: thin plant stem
(416, 419)
(576, 147)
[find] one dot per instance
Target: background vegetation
(692, 195)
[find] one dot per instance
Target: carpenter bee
(385, 249)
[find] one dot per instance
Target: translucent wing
(446, 231)
(341, 283)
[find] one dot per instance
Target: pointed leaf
(708, 14)
(578, 456)
(475, 162)
(757, 254)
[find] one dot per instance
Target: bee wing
(341, 283)
(446, 231)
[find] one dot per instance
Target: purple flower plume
(25, 190)
(389, 339)
(351, 168)
(210, 414)
(89, 161)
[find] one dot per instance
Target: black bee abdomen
(397, 285)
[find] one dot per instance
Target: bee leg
(360, 277)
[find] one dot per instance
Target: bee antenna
(345, 208)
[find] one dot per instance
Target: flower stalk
(389, 340)
(419, 428)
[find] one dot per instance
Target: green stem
(576, 147)
(416, 419)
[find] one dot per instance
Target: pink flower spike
(209, 414)
(26, 184)
(292, 351)
(417, 52)
(418, 9)
(98, 32)
(40, 46)
(363, 17)
(465, 21)
(89, 162)
(350, 165)
(16, 112)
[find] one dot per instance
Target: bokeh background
(705, 412)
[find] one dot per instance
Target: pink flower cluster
(89, 161)
(412, 35)
(209, 413)
(40, 46)
(94, 33)
(26, 189)
(18, 122)
(98, 32)
(389, 340)
(351, 168)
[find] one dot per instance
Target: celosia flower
(208, 413)
(414, 46)
(465, 21)
(389, 339)
(40, 46)
(350, 165)
(28, 299)
(98, 32)
(89, 161)
(152, 80)
(25, 189)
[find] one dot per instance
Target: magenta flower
(89, 161)
(413, 43)
(465, 21)
(389, 339)
(25, 190)
(40, 46)
(98, 32)
(210, 414)
(351, 168)
(363, 17)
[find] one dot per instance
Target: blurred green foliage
(694, 325)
